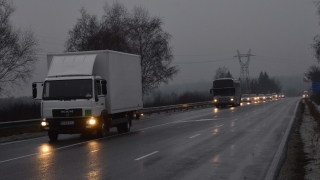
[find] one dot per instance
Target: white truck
(92, 91)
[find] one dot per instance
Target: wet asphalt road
(226, 143)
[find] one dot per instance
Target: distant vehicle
(76, 97)
(226, 91)
(262, 97)
(305, 94)
(254, 98)
(268, 96)
(245, 98)
(281, 95)
(274, 96)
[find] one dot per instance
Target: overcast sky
(206, 33)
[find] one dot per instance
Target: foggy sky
(206, 33)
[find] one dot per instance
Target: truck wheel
(101, 131)
(124, 127)
(53, 135)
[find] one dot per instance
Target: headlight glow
(92, 121)
(44, 123)
(215, 100)
(231, 99)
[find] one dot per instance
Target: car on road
(268, 96)
(305, 94)
(274, 96)
(262, 97)
(245, 98)
(254, 98)
(281, 95)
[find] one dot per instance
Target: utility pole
(244, 71)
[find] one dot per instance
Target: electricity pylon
(244, 71)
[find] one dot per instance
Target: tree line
(261, 85)
(264, 84)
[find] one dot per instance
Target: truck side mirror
(211, 91)
(34, 91)
(104, 87)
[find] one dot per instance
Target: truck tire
(125, 127)
(53, 135)
(119, 128)
(101, 131)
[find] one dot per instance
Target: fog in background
(206, 35)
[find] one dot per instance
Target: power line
(197, 62)
(211, 54)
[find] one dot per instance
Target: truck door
(99, 98)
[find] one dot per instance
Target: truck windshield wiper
(62, 98)
(80, 97)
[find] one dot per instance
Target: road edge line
(274, 168)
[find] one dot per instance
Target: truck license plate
(67, 123)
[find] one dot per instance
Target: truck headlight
(215, 100)
(44, 123)
(92, 121)
(231, 99)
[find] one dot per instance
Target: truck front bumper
(70, 125)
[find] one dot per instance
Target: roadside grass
(296, 158)
(20, 111)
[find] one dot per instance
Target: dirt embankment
(303, 153)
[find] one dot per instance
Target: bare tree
(222, 73)
(82, 36)
(316, 40)
(133, 32)
(313, 73)
(149, 41)
(17, 51)
(115, 30)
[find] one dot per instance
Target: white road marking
(246, 114)
(146, 155)
(18, 157)
(2, 144)
(182, 126)
(194, 136)
(219, 125)
(236, 119)
(200, 120)
(208, 119)
(72, 145)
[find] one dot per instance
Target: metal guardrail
(167, 109)
(12, 127)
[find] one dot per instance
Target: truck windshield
(224, 92)
(67, 89)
